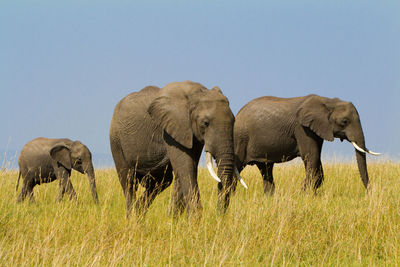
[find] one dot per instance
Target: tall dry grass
(341, 225)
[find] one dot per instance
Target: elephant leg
(319, 176)
(268, 179)
(27, 190)
(154, 186)
(130, 192)
(30, 193)
(61, 189)
(70, 190)
(22, 194)
(126, 175)
(63, 178)
(186, 190)
(310, 151)
(314, 174)
(185, 195)
(128, 181)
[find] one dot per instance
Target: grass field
(341, 225)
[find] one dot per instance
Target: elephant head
(77, 157)
(331, 118)
(190, 113)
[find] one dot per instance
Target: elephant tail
(19, 176)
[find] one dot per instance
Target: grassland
(341, 225)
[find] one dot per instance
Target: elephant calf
(270, 130)
(44, 160)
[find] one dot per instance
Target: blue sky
(65, 64)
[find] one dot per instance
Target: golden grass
(341, 225)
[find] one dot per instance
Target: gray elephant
(155, 132)
(44, 160)
(271, 130)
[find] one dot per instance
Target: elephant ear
(172, 114)
(314, 114)
(62, 155)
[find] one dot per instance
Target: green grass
(341, 225)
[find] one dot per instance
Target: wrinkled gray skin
(270, 130)
(44, 160)
(156, 131)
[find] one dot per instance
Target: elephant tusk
(374, 153)
(210, 167)
(240, 178)
(362, 150)
(357, 147)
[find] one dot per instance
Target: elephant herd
(157, 133)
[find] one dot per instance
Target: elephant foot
(194, 214)
(141, 210)
(194, 207)
(20, 198)
(269, 190)
(313, 185)
(73, 198)
(307, 184)
(175, 210)
(269, 193)
(128, 214)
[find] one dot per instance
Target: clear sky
(65, 64)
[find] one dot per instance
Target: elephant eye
(205, 123)
(344, 122)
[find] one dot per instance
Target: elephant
(44, 160)
(271, 130)
(155, 133)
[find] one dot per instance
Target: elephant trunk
(361, 159)
(362, 168)
(225, 164)
(92, 182)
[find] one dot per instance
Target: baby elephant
(44, 160)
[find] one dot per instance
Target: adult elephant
(155, 132)
(44, 160)
(271, 130)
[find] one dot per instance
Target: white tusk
(240, 178)
(362, 150)
(358, 148)
(373, 153)
(210, 167)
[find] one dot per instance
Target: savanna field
(341, 225)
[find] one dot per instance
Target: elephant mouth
(209, 162)
(341, 135)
